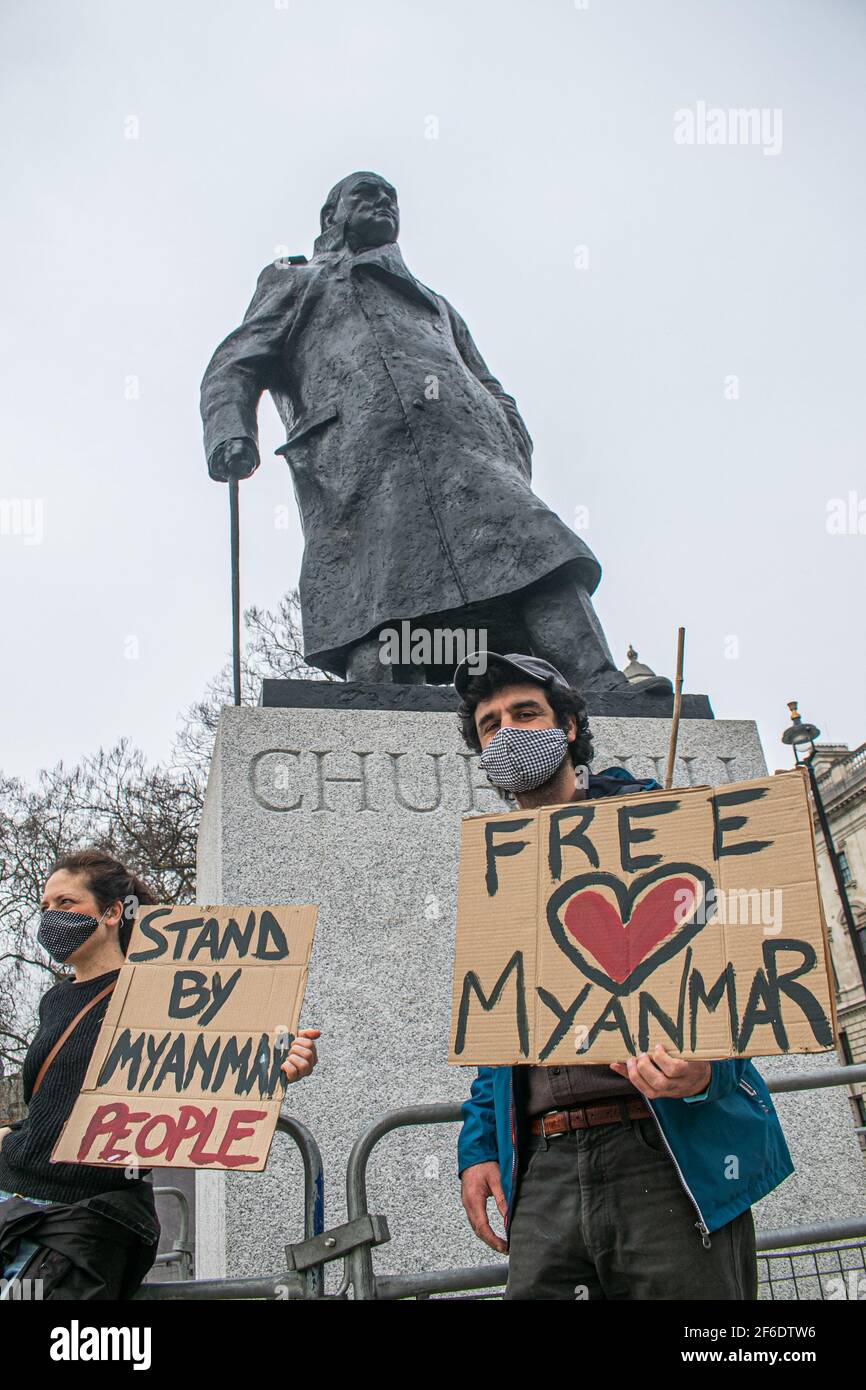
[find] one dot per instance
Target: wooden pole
(678, 700)
(234, 511)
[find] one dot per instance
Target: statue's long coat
(411, 464)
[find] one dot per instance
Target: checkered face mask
(519, 759)
(61, 933)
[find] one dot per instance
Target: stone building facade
(841, 774)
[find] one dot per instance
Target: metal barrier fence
(180, 1253)
(306, 1281)
(810, 1262)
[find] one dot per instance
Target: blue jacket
(726, 1144)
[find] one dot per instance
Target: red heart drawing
(619, 946)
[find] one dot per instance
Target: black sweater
(25, 1153)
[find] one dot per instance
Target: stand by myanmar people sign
(186, 1072)
(594, 930)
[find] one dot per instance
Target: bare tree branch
(146, 816)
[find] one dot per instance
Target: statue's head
(361, 210)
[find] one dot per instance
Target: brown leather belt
(583, 1116)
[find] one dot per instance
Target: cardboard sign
(186, 1069)
(690, 918)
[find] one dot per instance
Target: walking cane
(236, 588)
(678, 700)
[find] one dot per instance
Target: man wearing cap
(628, 1180)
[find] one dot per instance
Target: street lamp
(802, 736)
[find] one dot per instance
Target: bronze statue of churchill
(411, 464)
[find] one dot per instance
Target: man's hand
(477, 1185)
(661, 1076)
(3, 1132)
(236, 458)
(302, 1055)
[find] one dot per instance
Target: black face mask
(61, 933)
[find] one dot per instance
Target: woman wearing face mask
(101, 1231)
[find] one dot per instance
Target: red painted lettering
(197, 1153)
(113, 1121)
(168, 1125)
(234, 1133)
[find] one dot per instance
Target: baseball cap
(531, 666)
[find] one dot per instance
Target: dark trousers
(601, 1213)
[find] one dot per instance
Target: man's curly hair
(562, 702)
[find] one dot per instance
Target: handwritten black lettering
(576, 837)
(629, 835)
(729, 823)
(472, 985)
(648, 1006)
(565, 1016)
(495, 851)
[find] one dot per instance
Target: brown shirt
(562, 1088)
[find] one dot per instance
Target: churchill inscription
(363, 780)
(292, 779)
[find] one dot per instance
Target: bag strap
(70, 1028)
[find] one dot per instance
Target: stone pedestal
(359, 811)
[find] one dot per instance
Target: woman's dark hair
(109, 881)
(563, 703)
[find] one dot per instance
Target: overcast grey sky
(693, 377)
